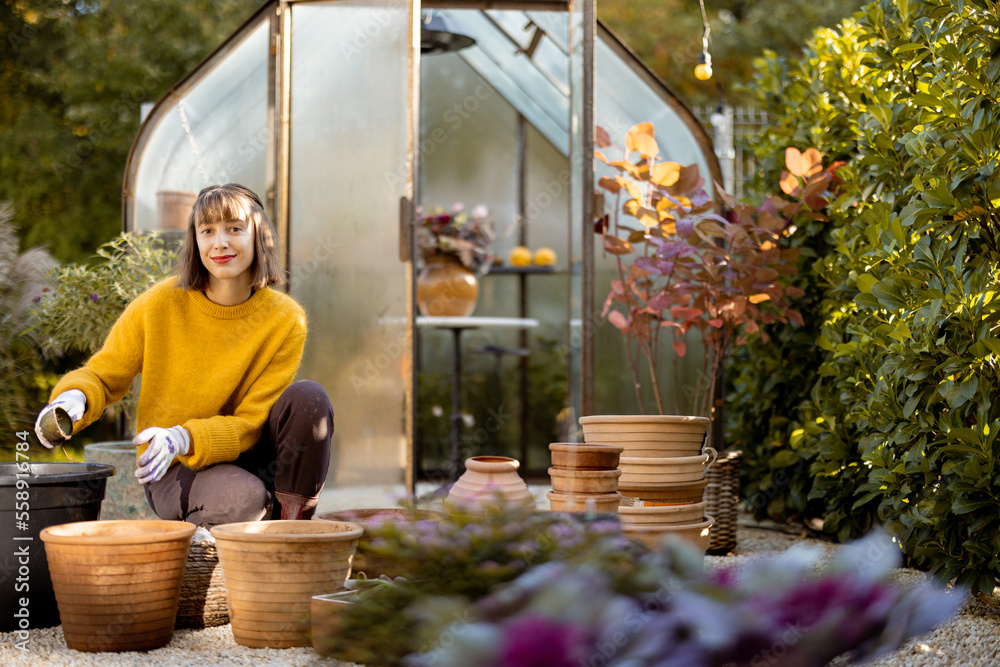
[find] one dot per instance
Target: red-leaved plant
(686, 263)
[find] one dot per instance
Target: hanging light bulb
(703, 70)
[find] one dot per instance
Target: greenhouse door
(348, 95)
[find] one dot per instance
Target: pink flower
(539, 641)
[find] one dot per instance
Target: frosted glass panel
(217, 133)
(349, 168)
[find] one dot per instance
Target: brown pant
(290, 459)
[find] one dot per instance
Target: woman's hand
(72, 401)
(164, 445)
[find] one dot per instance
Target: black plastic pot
(56, 493)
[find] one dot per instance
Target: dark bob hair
(218, 203)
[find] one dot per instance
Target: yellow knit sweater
(215, 370)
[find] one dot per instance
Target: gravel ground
(970, 639)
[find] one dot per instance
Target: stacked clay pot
(663, 465)
(584, 477)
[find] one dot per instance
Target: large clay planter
(584, 481)
(582, 502)
(117, 583)
(50, 494)
(124, 497)
(647, 435)
(579, 456)
(667, 494)
(663, 514)
(173, 208)
(490, 480)
(365, 561)
(273, 568)
(666, 470)
(698, 533)
(445, 288)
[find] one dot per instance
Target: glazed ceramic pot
(446, 288)
(581, 456)
(696, 533)
(324, 614)
(124, 497)
(647, 435)
(647, 471)
(584, 481)
(117, 583)
(490, 480)
(273, 568)
(34, 496)
(582, 502)
(666, 494)
(663, 514)
(365, 561)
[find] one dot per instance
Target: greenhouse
(332, 112)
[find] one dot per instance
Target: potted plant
(455, 247)
(687, 263)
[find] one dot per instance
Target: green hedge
(881, 409)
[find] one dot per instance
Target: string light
(703, 71)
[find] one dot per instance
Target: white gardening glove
(73, 401)
(164, 445)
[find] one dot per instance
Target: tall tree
(667, 34)
(72, 78)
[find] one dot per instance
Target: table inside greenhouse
(457, 326)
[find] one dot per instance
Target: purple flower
(94, 297)
(538, 641)
(37, 298)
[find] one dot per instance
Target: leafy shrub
(22, 276)
(899, 424)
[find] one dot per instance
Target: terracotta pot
(173, 208)
(577, 502)
(698, 534)
(663, 514)
(117, 583)
(647, 435)
(667, 494)
(324, 612)
(660, 470)
(445, 288)
(577, 456)
(272, 570)
(584, 481)
(489, 480)
(364, 561)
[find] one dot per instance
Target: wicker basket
(203, 601)
(722, 493)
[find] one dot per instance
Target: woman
(224, 433)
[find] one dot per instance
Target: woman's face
(226, 249)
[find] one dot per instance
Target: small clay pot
(584, 481)
(696, 533)
(117, 583)
(663, 514)
(660, 470)
(578, 502)
(577, 456)
(490, 480)
(272, 570)
(666, 494)
(56, 426)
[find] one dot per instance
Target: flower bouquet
(465, 236)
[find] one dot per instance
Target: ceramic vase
(117, 583)
(490, 480)
(446, 288)
(273, 568)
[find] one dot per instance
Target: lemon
(519, 256)
(545, 257)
